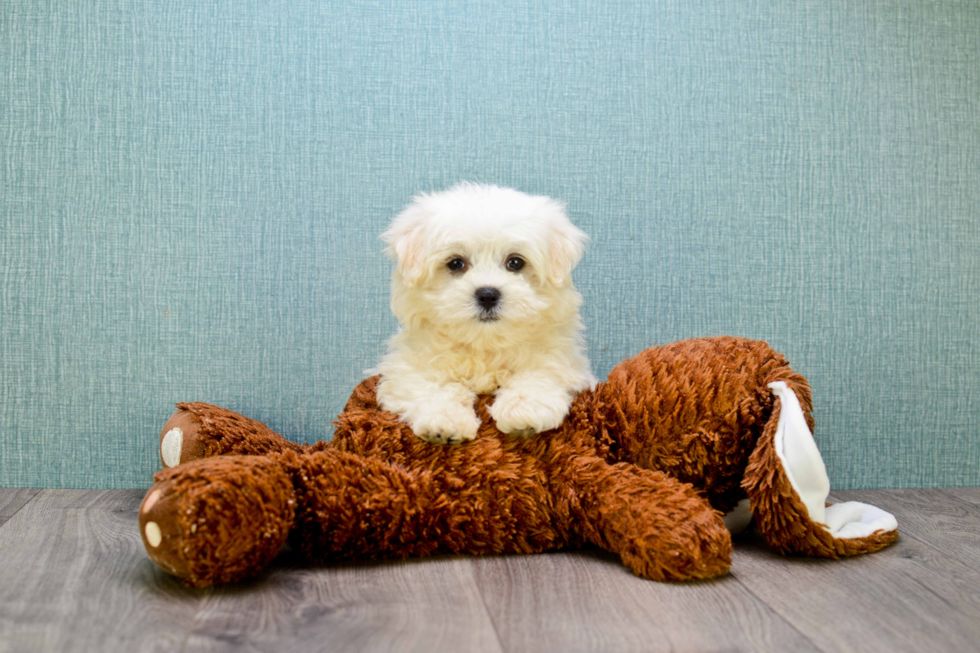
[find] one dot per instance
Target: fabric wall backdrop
(191, 195)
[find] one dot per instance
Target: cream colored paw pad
(153, 534)
(150, 500)
(170, 447)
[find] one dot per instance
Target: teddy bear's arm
(224, 518)
(661, 527)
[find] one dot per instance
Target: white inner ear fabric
(807, 474)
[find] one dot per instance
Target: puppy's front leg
(531, 403)
(439, 413)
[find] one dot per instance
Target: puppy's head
(481, 260)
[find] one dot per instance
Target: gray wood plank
(74, 577)
(13, 499)
(420, 605)
(588, 601)
(970, 495)
(909, 597)
(935, 517)
(46, 551)
(104, 500)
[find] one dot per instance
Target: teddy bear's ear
(406, 242)
(565, 246)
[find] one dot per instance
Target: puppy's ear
(565, 246)
(406, 242)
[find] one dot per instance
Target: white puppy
(483, 292)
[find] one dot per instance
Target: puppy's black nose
(487, 297)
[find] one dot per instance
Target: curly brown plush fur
(643, 466)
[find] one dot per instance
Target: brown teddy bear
(645, 465)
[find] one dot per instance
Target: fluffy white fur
(527, 349)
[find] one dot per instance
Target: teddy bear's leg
(788, 486)
(660, 526)
(199, 430)
(218, 520)
(359, 507)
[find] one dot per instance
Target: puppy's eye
(456, 264)
(515, 263)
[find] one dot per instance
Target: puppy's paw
(524, 412)
(448, 423)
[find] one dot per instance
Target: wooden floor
(74, 577)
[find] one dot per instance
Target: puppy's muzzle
(487, 298)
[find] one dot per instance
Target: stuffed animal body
(645, 465)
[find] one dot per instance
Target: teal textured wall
(191, 193)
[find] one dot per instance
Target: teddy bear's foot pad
(160, 530)
(198, 430)
(218, 519)
(178, 439)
